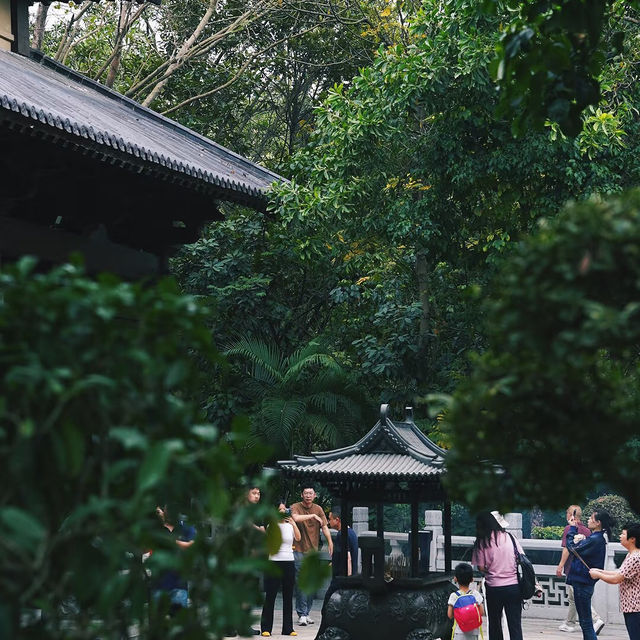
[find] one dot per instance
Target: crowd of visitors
(495, 555)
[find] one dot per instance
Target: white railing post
(433, 522)
(360, 523)
(515, 524)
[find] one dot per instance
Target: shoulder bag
(525, 572)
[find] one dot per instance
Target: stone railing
(545, 555)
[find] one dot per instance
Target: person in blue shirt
(335, 522)
(170, 582)
(588, 553)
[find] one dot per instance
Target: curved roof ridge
(419, 447)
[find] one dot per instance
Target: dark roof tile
(395, 450)
(45, 91)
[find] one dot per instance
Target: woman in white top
(284, 574)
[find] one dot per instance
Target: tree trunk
(38, 29)
(537, 517)
(422, 277)
(178, 59)
(117, 53)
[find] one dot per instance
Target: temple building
(87, 170)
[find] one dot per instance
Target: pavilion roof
(45, 98)
(390, 451)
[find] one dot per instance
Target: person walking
(571, 622)
(589, 554)
(628, 579)
(310, 519)
(283, 573)
(494, 556)
(337, 560)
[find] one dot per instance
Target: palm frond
(297, 366)
(280, 418)
(325, 401)
(325, 433)
(266, 359)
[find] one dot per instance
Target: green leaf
(274, 537)
(129, 437)
(313, 573)
(154, 467)
(24, 528)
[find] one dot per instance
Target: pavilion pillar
(447, 536)
(344, 537)
(414, 539)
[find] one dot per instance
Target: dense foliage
(413, 191)
(557, 389)
(552, 55)
(547, 533)
(97, 427)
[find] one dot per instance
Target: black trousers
(509, 599)
(285, 576)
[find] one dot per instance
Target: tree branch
(238, 74)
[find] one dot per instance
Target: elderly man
(310, 518)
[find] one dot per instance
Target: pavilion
(393, 463)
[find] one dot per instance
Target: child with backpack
(465, 606)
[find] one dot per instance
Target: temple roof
(45, 98)
(391, 450)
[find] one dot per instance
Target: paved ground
(533, 629)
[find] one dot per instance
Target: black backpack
(525, 572)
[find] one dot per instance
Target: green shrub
(547, 533)
(616, 506)
(98, 425)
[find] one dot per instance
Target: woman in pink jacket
(494, 556)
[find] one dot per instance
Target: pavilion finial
(408, 414)
(384, 412)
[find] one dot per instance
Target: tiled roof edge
(76, 76)
(119, 144)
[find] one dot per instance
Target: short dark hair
(464, 574)
(336, 512)
(307, 486)
(633, 531)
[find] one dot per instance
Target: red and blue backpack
(466, 612)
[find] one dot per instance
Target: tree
(246, 73)
(551, 407)
(552, 55)
(300, 403)
(98, 424)
(414, 190)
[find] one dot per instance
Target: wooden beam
(19, 238)
(20, 27)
